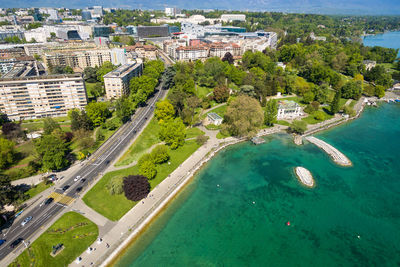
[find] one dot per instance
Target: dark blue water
(389, 39)
(235, 212)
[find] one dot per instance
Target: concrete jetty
(337, 156)
(304, 176)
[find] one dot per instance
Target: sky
(351, 7)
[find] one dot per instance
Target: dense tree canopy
(173, 132)
(136, 187)
(7, 153)
(52, 152)
(97, 112)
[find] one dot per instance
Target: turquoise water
(235, 212)
(389, 39)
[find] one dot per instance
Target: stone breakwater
(337, 156)
(304, 176)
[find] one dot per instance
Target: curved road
(94, 166)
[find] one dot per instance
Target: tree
(141, 87)
(336, 102)
(221, 93)
(7, 191)
(116, 185)
(104, 69)
(352, 89)
(52, 152)
(136, 187)
(173, 132)
(243, 116)
(201, 139)
(271, 111)
(248, 90)
(7, 153)
(61, 70)
(228, 58)
(89, 74)
(124, 109)
(97, 112)
(308, 97)
(349, 111)
(160, 154)
(12, 130)
(379, 91)
(298, 126)
(49, 125)
(3, 118)
(79, 120)
(148, 169)
(164, 110)
(379, 76)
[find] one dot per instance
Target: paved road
(91, 169)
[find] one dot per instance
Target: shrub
(115, 186)
(349, 111)
(144, 158)
(298, 127)
(319, 115)
(148, 169)
(201, 139)
(160, 154)
(99, 135)
(136, 187)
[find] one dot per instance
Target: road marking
(62, 199)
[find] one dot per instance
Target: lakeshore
(142, 215)
(248, 198)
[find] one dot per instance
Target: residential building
(219, 49)
(117, 81)
(369, 64)
(77, 59)
(41, 96)
(11, 33)
(118, 56)
(172, 11)
(288, 109)
(191, 53)
(317, 38)
(86, 15)
(148, 52)
(233, 17)
(213, 118)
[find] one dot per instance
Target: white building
(41, 96)
(288, 110)
(233, 17)
(172, 11)
(213, 118)
(117, 81)
(39, 34)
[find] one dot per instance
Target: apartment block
(41, 96)
(117, 81)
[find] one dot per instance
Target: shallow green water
(235, 212)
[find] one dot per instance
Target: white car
(27, 219)
(77, 178)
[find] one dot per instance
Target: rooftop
(214, 116)
(123, 70)
(286, 104)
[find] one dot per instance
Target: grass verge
(37, 189)
(72, 230)
(99, 199)
(148, 137)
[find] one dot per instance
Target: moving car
(65, 187)
(27, 219)
(47, 201)
(79, 189)
(16, 242)
(2, 241)
(77, 178)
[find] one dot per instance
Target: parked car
(16, 242)
(27, 219)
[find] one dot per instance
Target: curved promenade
(337, 156)
(304, 176)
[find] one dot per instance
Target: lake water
(389, 39)
(236, 210)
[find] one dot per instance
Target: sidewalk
(137, 218)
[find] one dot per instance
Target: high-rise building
(86, 15)
(117, 81)
(41, 96)
(101, 31)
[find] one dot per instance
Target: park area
(72, 230)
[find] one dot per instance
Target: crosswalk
(62, 199)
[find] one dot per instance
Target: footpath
(132, 223)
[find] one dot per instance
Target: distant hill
(354, 7)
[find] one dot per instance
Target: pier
(257, 140)
(337, 156)
(304, 176)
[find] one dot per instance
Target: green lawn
(282, 122)
(202, 91)
(220, 110)
(148, 138)
(37, 189)
(311, 120)
(72, 230)
(89, 89)
(193, 132)
(101, 201)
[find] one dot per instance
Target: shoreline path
(135, 220)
